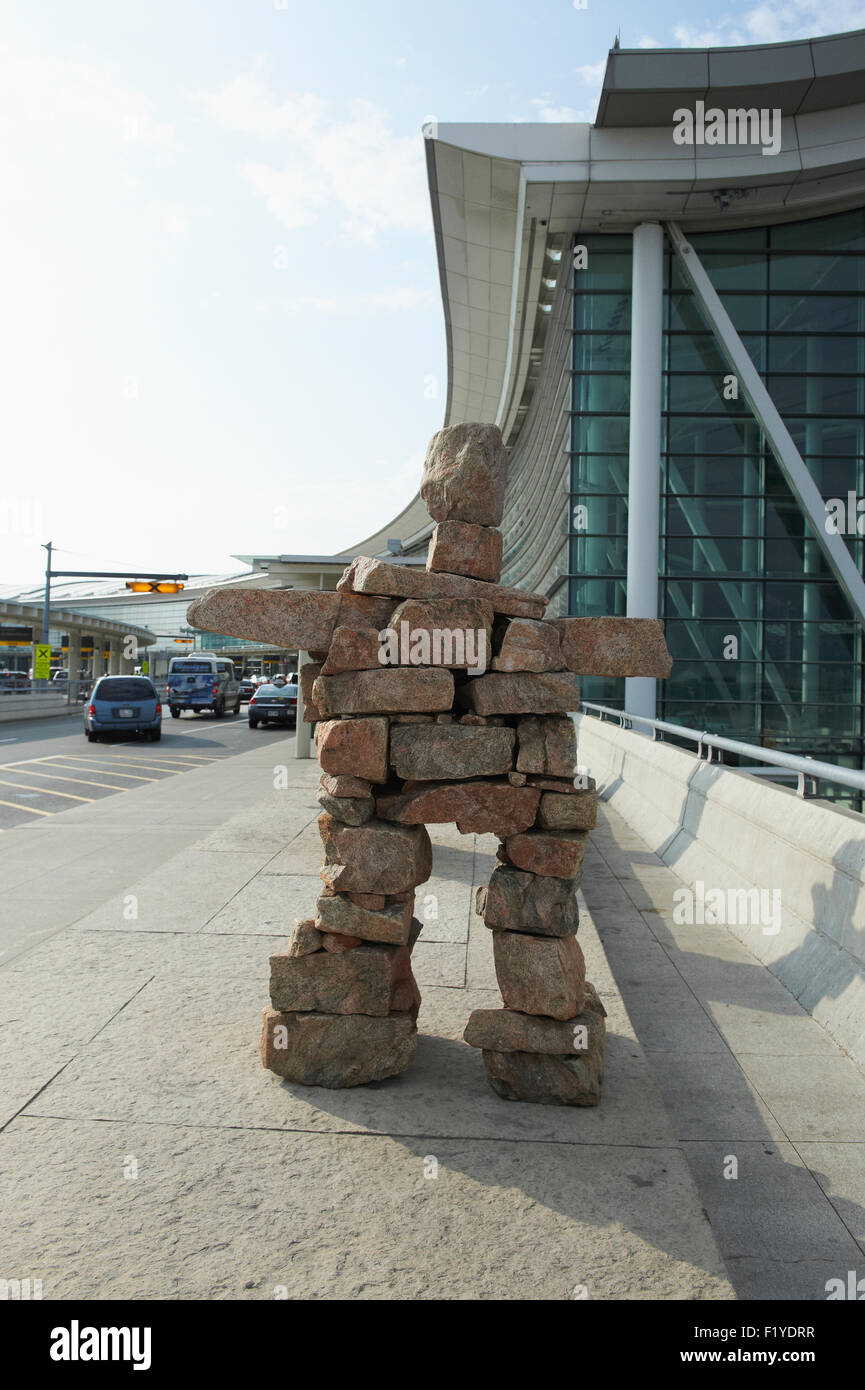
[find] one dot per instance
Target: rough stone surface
(366, 575)
(361, 981)
(374, 858)
(304, 938)
(440, 752)
(544, 1080)
(614, 646)
(464, 475)
(371, 900)
(303, 619)
(343, 784)
(476, 807)
(563, 786)
(540, 975)
(506, 1030)
(385, 691)
(353, 649)
(557, 853)
(337, 1050)
(390, 925)
(307, 676)
(351, 810)
(458, 547)
(354, 747)
(575, 810)
(449, 632)
(501, 692)
(546, 745)
(528, 645)
(517, 901)
(335, 943)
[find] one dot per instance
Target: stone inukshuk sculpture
(441, 696)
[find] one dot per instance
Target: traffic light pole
(143, 575)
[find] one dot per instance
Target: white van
(203, 681)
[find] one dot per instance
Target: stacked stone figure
(441, 696)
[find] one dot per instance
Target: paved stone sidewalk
(746, 1075)
(145, 1153)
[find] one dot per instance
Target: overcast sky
(221, 324)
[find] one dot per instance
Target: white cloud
(548, 112)
(801, 19)
(375, 179)
(392, 301)
(648, 42)
(592, 73)
(774, 21)
(43, 94)
(722, 37)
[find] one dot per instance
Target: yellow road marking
(31, 809)
(70, 796)
(196, 757)
(134, 776)
(55, 776)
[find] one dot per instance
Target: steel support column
(644, 452)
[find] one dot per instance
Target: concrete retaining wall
(732, 831)
(35, 706)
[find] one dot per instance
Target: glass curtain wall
(764, 642)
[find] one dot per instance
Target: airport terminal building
(601, 284)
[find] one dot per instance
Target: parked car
(273, 704)
(125, 704)
(12, 682)
(200, 682)
(247, 688)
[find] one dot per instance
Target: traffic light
(153, 586)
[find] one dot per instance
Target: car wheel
(219, 709)
(156, 735)
(91, 737)
(253, 723)
(175, 713)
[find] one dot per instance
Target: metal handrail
(807, 769)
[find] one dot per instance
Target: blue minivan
(123, 704)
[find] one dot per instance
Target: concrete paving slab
(439, 963)
(840, 1171)
(747, 1029)
(773, 1208)
(183, 894)
(818, 1098)
(236, 1215)
(268, 903)
(708, 1097)
(43, 1024)
(667, 1018)
(169, 1057)
(72, 958)
(756, 1278)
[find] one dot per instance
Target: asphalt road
(47, 766)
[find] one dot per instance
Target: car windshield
(124, 688)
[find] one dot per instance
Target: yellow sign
(42, 661)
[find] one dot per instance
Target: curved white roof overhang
(501, 194)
